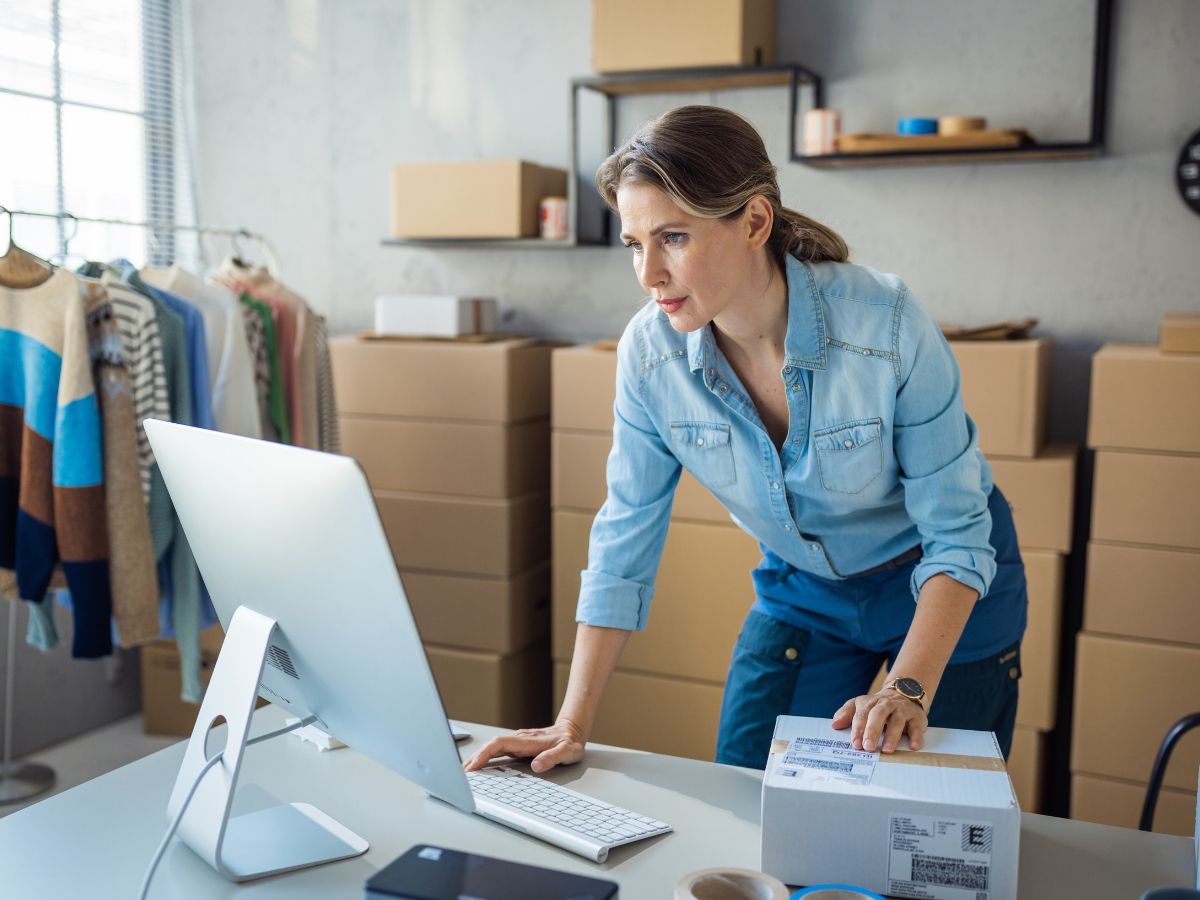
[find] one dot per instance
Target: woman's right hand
(561, 743)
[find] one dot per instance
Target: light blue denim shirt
(879, 456)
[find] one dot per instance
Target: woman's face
(692, 267)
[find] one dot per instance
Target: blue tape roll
(838, 891)
(917, 126)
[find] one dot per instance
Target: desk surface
(96, 840)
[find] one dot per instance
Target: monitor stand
(274, 840)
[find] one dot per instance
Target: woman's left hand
(878, 720)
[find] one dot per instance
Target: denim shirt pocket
(850, 455)
(705, 450)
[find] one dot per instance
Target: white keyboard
(557, 814)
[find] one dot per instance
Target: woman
(821, 405)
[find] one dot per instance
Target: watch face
(909, 687)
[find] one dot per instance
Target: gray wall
(302, 106)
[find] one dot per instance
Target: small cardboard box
(1141, 397)
(497, 382)
(628, 36)
(1180, 333)
(1042, 494)
(940, 823)
(1142, 592)
(1005, 389)
(1026, 765)
(1038, 705)
(501, 615)
(432, 315)
(1108, 801)
(1146, 498)
(163, 711)
(511, 690)
(478, 199)
(583, 388)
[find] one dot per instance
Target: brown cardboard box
(1141, 397)
(471, 536)
(1005, 389)
(1180, 333)
(1038, 704)
(458, 458)
(1146, 498)
(212, 638)
(1128, 693)
(163, 712)
(658, 715)
(1144, 592)
(1042, 494)
(510, 690)
(478, 199)
(578, 462)
(1111, 802)
(498, 382)
(583, 387)
(702, 594)
(703, 33)
(501, 615)
(1026, 763)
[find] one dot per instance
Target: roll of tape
(917, 126)
(959, 124)
(730, 884)
(835, 892)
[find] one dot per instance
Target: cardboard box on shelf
(702, 594)
(578, 464)
(163, 712)
(1146, 498)
(500, 615)
(1038, 704)
(583, 387)
(1139, 394)
(952, 801)
(704, 34)
(433, 315)
(1042, 494)
(475, 199)
(1180, 333)
(1108, 801)
(510, 690)
(1128, 694)
(499, 381)
(469, 535)
(1143, 592)
(653, 713)
(464, 459)
(1005, 389)
(1026, 765)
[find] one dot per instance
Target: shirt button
(795, 387)
(866, 353)
(787, 369)
(787, 527)
(774, 485)
(815, 547)
(791, 653)
(700, 442)
(848, 443)
(1014, 673)
(724, 389)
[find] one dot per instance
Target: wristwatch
(909, 689)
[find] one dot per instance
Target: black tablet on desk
(435, 873)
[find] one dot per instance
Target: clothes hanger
(18, 267)
(59, 260)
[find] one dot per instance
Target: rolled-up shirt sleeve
(628, 533)
(946, 481)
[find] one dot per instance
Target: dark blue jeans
(810, 644)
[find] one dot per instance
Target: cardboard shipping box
(652, 713)
(477, 199)
(501, 615)
(1041, 492)
(434, 315)
(1143, 592)
(1006, 389)
(1180, 333)
(1026, 765)
(458, 458)
(1128, 694)
(953, 822)
(1146, 498)
(703, 34)
(498, 382)
(509, 690)
(1140, 396)
(1038, 704)
(467, 535)
(701, 596)
(163, 711)
(1107, 801)
(583, 387)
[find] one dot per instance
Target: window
(93, 122)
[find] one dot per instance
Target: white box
(947, 813)
(419, 315)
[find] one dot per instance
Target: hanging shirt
(276, 394)
(256, 336)
(330, 438)
(51, 457)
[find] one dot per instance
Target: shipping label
(939, 859)
(826, 760)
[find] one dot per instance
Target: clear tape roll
(730, 884)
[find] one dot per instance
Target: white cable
(171, 829)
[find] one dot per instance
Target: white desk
(95, 840)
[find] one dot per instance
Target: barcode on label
(822, 764)
(949, 872)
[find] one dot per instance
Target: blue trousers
(809, 644)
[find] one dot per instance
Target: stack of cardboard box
(666, 693)
(454, 438)
(1139, 654)
(163, 710)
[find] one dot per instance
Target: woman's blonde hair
(711, 162)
